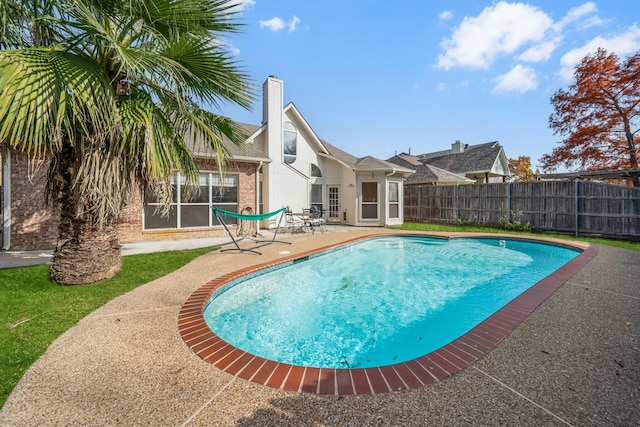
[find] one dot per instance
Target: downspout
(6, 198)
(258, 193)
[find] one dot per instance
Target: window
(194, 210)
(369, 204)
(394, 200)
(316, 196)
(290, 143)
(315, 171)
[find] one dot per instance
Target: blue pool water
(379, 301)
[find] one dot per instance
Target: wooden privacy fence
(578, 207)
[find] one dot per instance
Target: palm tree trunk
(85, 253)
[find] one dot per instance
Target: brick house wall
(32, 225)
(131, 218)
(35, 226)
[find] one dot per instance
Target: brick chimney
(457, 147)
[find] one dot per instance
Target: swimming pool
(378, 301)
(426, 368)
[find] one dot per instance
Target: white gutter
(393, 171)
(247, 159)
(258, 193)
(6, 197)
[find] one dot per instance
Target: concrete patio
(574, 361)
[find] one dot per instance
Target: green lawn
(34, 311)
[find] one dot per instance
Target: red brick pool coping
(428, 369)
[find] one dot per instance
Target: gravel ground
(574, 361)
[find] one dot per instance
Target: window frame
(394, 203)
(179, 206)
(366, 205)
(289, 146)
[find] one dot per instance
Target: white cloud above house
(273, 24)
(542, 51)
(276, 24)
(293, 24)
(576, 14)
(445, 15)
(498, 30)
(519, 79)
(242, 5)
(622, 45)
(519, 33)
(505, 29)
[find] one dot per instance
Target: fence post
(508, 215)
(457, 201)
(419, 206)
(577, 205)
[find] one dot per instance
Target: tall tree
(520, 169)
(108, 91)
(599, 115)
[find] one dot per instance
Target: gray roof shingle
(426, 173)
(250, 150)
(480, 157)
(367, 163)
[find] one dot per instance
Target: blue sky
(378, 77)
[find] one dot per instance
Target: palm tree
(108, 91)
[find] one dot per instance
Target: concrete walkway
(575, 361)
(9, 259)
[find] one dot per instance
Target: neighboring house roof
(428, 174)
(473, 158)
(367, 163)
(464, 161)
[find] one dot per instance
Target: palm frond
(153, 140)
(47, 93)
(203, 63)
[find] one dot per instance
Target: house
(462, 164)
(283, 163)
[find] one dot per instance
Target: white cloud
(445, 15)
(542, 51)
(622, 45)
(506, 28)
(442, 87)
(242, 5)
(277, 24)
(274, 24)
(498, 30)
(575, 14)
(519, 79)
(234, 50)
(293, 23)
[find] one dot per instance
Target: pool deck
(574, 361)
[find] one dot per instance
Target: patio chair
(316, 219)
(293, 222)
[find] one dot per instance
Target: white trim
(362, 203)
(6, 189)
(257, 193)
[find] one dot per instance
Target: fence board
(609, 210)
